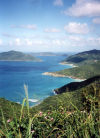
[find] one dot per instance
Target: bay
(13, 76)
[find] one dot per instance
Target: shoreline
(60, 75)
(66, 63)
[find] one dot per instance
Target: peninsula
(81, 69)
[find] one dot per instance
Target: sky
(49, 25)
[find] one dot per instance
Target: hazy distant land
(17, 56)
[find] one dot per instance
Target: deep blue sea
(13, 76)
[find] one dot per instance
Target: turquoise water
(13, 76)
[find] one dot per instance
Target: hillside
(72, 113)
(80, 72)
(17, 56)
(76, 85)
(86, 57)
(8, 108)
(70, 93)
(74, 95)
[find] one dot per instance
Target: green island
(74, 112)
(17, 56)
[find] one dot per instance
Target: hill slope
(17, 56)
(84, 57)
(80, 72)
(76, 85)
(74, 96)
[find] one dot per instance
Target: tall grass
(58, 123)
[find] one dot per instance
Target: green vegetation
(82, 72)
(88, 66)
(76, 85)
(83, 58)
(74, 113)
(65, 99)
(17, 56)
(71, 114)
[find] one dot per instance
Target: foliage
(76, 85)
(75, 97)
(83, 71)
(57, 122)
(83, 58)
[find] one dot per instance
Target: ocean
(13, 76)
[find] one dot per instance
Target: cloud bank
(84, 8)
(77, 28)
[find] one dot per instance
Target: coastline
(66, 63)
(60, 75)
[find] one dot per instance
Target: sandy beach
(66, 63)
(60, 75)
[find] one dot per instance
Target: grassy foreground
(54, 122)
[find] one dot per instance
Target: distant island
(17, 56)
(85, 65)
(48, 54)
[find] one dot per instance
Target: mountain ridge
(86, 57)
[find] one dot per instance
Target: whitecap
(33, 100)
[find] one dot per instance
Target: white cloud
(96, 20)
(77, 28)
(75, 38)
(67, 42)
(85, 42)
(1, 42)
(18, 42)
(38, 42)
(29, 26)
(58, 2)
(58, 42)
(52, 30)
(28, 42)
(94, 41)
(84, 8)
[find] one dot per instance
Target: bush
(53, 123)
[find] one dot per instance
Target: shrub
(53, 123)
